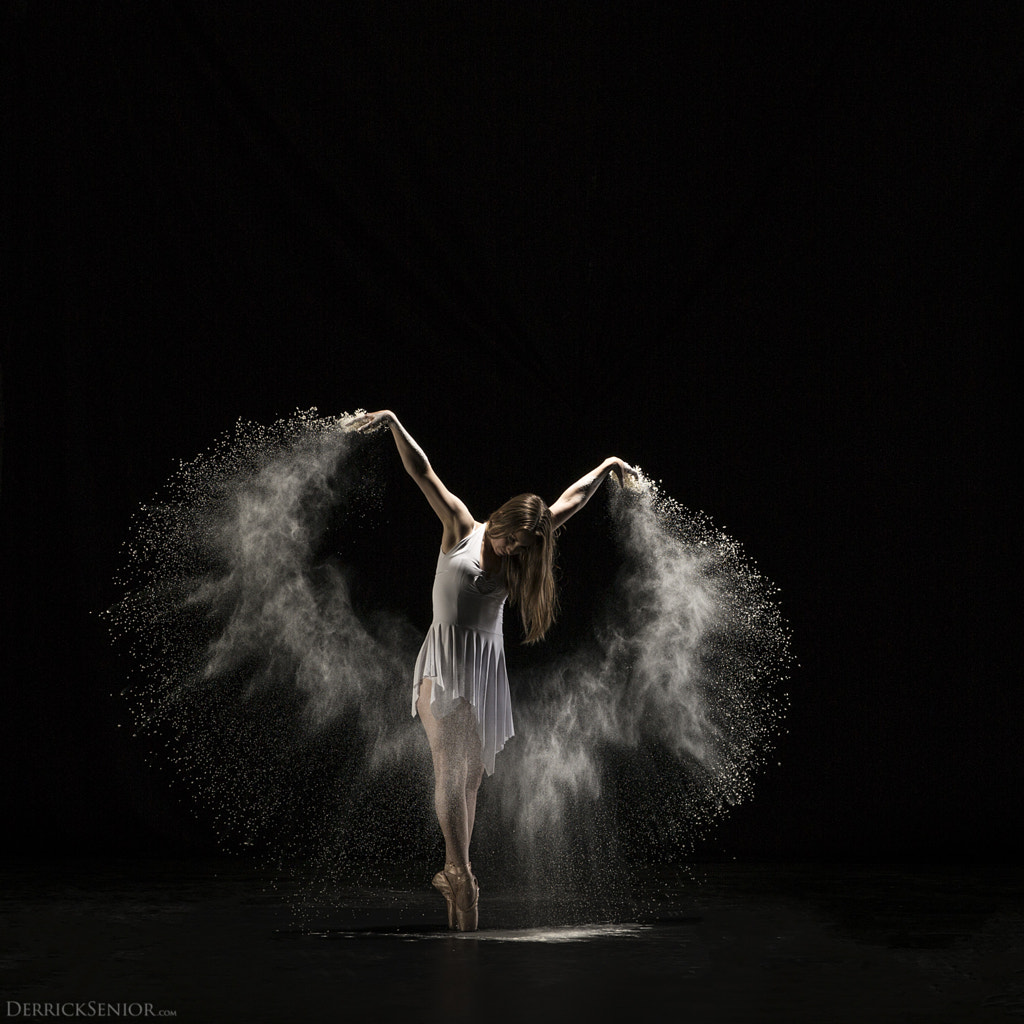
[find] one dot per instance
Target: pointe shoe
(443, 886)
(465, 890)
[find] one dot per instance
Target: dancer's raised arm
(583, 490)
(450, 510)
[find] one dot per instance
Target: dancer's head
(521, 531)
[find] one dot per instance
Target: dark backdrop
(765, 251)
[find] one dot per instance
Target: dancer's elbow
(417, 465)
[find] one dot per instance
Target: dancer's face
(512, 544)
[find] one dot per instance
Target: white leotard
(464, 652)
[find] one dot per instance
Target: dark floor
(214, 943)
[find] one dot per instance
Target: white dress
(464, 651)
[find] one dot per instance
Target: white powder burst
(660, 723)
(285, 706)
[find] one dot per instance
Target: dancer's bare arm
(583, 490)
(453, 514)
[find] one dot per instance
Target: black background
(763, 250)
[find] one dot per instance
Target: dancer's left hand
(624, 472)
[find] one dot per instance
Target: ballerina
(460, 687)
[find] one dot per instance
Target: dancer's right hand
(371, 422)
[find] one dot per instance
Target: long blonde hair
(530, 574)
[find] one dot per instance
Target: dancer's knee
(449, 776)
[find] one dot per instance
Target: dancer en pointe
(460, 688)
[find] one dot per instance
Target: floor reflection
(565, 933)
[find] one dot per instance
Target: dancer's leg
(454, 747)
(474, 777)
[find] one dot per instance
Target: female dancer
(460, 689)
